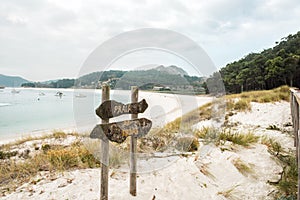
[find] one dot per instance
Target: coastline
(209, 172)
(219, 163)
(163, 108)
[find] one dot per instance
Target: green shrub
(7, 155)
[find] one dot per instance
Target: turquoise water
(40, 110)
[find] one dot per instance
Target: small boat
(59, 94)
(14, 91)
(80, 95)
(41, 94)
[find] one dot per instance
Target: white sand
(265, 114)
(208, 174)
(162, 108)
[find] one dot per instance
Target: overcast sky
(50, 39)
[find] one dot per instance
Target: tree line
(268, 69)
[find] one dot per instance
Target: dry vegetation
(289, 178)
(219, 136)
(56, 158)
(242, 167)
(229, 193)
(264, 96)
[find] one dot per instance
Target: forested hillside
(167, 78)
(268, 69)
(11, 81)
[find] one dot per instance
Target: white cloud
(44, 39)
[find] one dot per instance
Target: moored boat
(14, 91)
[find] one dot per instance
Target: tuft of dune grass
(243, 167)
(264, 96)
(219, 136)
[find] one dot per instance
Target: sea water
(35, 110)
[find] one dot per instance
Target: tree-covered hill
(268, 69)
(11, 81)
(166, 78)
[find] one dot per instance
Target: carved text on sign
(119, 131)
(111, 108)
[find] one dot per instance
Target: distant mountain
(171, 70)
(160, 77)
(171, 78)
(12, 81)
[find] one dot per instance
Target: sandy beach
(163, 108)
(209, 173)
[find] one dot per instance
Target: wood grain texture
(104, 152)
(111, 108)
(119, 131)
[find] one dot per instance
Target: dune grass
(229, 193)
(50, 157)
(235, 102)
(264, 96)
(55, 134)
(243, 167)
(219, 136)
(288, 183)
(60, 158)
(55, 158)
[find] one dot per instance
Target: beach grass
(288, 183)
(59, 158)
(219, 136)
(243, 167)
(229, 193)
(264, 96)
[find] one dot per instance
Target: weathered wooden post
(133, 146)
(119, 131)
(104, 150)
(295, 99)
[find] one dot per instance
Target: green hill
(268, 69)
(163, 78)
(171, 77)
(11, 81)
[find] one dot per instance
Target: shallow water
(38, 110)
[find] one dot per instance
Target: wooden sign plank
(119, 131)
(111, 108)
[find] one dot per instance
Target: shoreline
(163, 108)
(200, 174)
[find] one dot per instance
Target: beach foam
(5, 104)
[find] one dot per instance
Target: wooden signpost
(133, 146)
(119, 131)
(104, 145)
(111, 108)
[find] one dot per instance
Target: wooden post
(133, 146)
(297, 144)
(104, 151)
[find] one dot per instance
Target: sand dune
(209, 173)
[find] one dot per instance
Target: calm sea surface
(40, 110)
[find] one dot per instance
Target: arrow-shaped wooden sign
(111, 108)
(119, 131)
